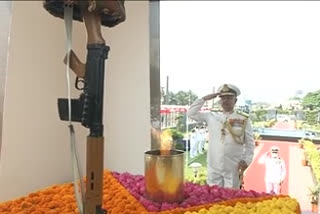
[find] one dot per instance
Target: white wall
(5, 14)
(127, 103)
(35, 143)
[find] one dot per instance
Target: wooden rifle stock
(93, 195)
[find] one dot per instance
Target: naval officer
(231, 142)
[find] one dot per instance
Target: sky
(268, 49)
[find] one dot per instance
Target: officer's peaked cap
(228, 89)
(275, 149)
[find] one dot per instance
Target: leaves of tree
(180, 98)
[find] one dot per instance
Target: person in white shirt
(202, 138)
(275, 171)
(194, 143)
(231, 142)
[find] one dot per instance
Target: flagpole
(187, 130)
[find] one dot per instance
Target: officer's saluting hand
(211, 96)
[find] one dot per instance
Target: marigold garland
(59, 199)
(201, 209)
(280, 205)
(116, 199)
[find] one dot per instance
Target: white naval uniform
(224, 152)
(202, 138)
(275, 173)
(194, 144)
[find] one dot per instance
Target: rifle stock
(93, 195)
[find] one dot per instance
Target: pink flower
(194, 194)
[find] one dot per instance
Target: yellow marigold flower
(250, 205)
(228, 209)
(259, 204)
(266, 210)
(203, 211)
(276, 212)
(279, 203)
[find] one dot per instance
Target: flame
(166, 142)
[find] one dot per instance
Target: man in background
(275, 170)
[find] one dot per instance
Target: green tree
(181, 122)
(182, 98)
(295, 98)
(311, 100)
(259, 115)
(311, 117)
(176, 134)
(171, 98)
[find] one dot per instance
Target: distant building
(261, 105)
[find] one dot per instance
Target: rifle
(88, 108)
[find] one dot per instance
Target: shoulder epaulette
(243, 114)
(216, 110)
